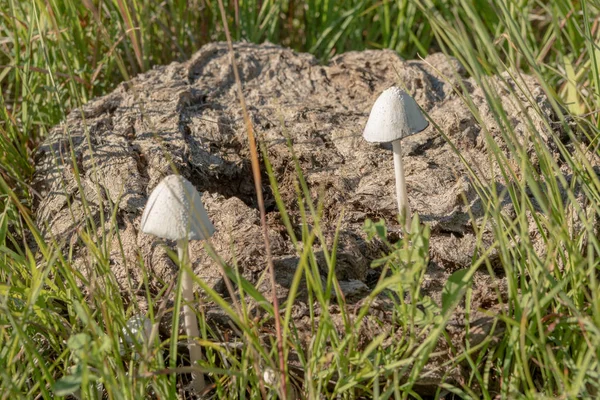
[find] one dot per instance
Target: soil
(186, 116)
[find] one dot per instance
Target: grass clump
(57, 340)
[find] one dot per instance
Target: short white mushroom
(174, 211)
(137, 330)
(394, 116)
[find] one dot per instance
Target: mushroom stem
(401, 195)
(189, 317)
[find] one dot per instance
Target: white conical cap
(395, 115)
(174, 211)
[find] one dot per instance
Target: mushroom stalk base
(401, 194)
(189, 317)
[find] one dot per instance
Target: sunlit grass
(56, 338)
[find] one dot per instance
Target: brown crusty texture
(186, 116)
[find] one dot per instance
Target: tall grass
(55, 339)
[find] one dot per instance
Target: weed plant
(56, 340)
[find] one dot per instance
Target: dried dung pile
(187, 115)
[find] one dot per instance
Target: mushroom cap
(395, 115)
(174, 211)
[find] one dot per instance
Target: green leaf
(375, 229)
(3, 227)
(430, 309)
(79, 344)
(68, 384)
(572, 93)
(454, 289)
(415, 223)
(106, 344)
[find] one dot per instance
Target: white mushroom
(394, 116)
(174, 211)
(137, 330)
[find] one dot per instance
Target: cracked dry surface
(186, 115)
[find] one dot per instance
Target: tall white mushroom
(174, 211)
(394, 116)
